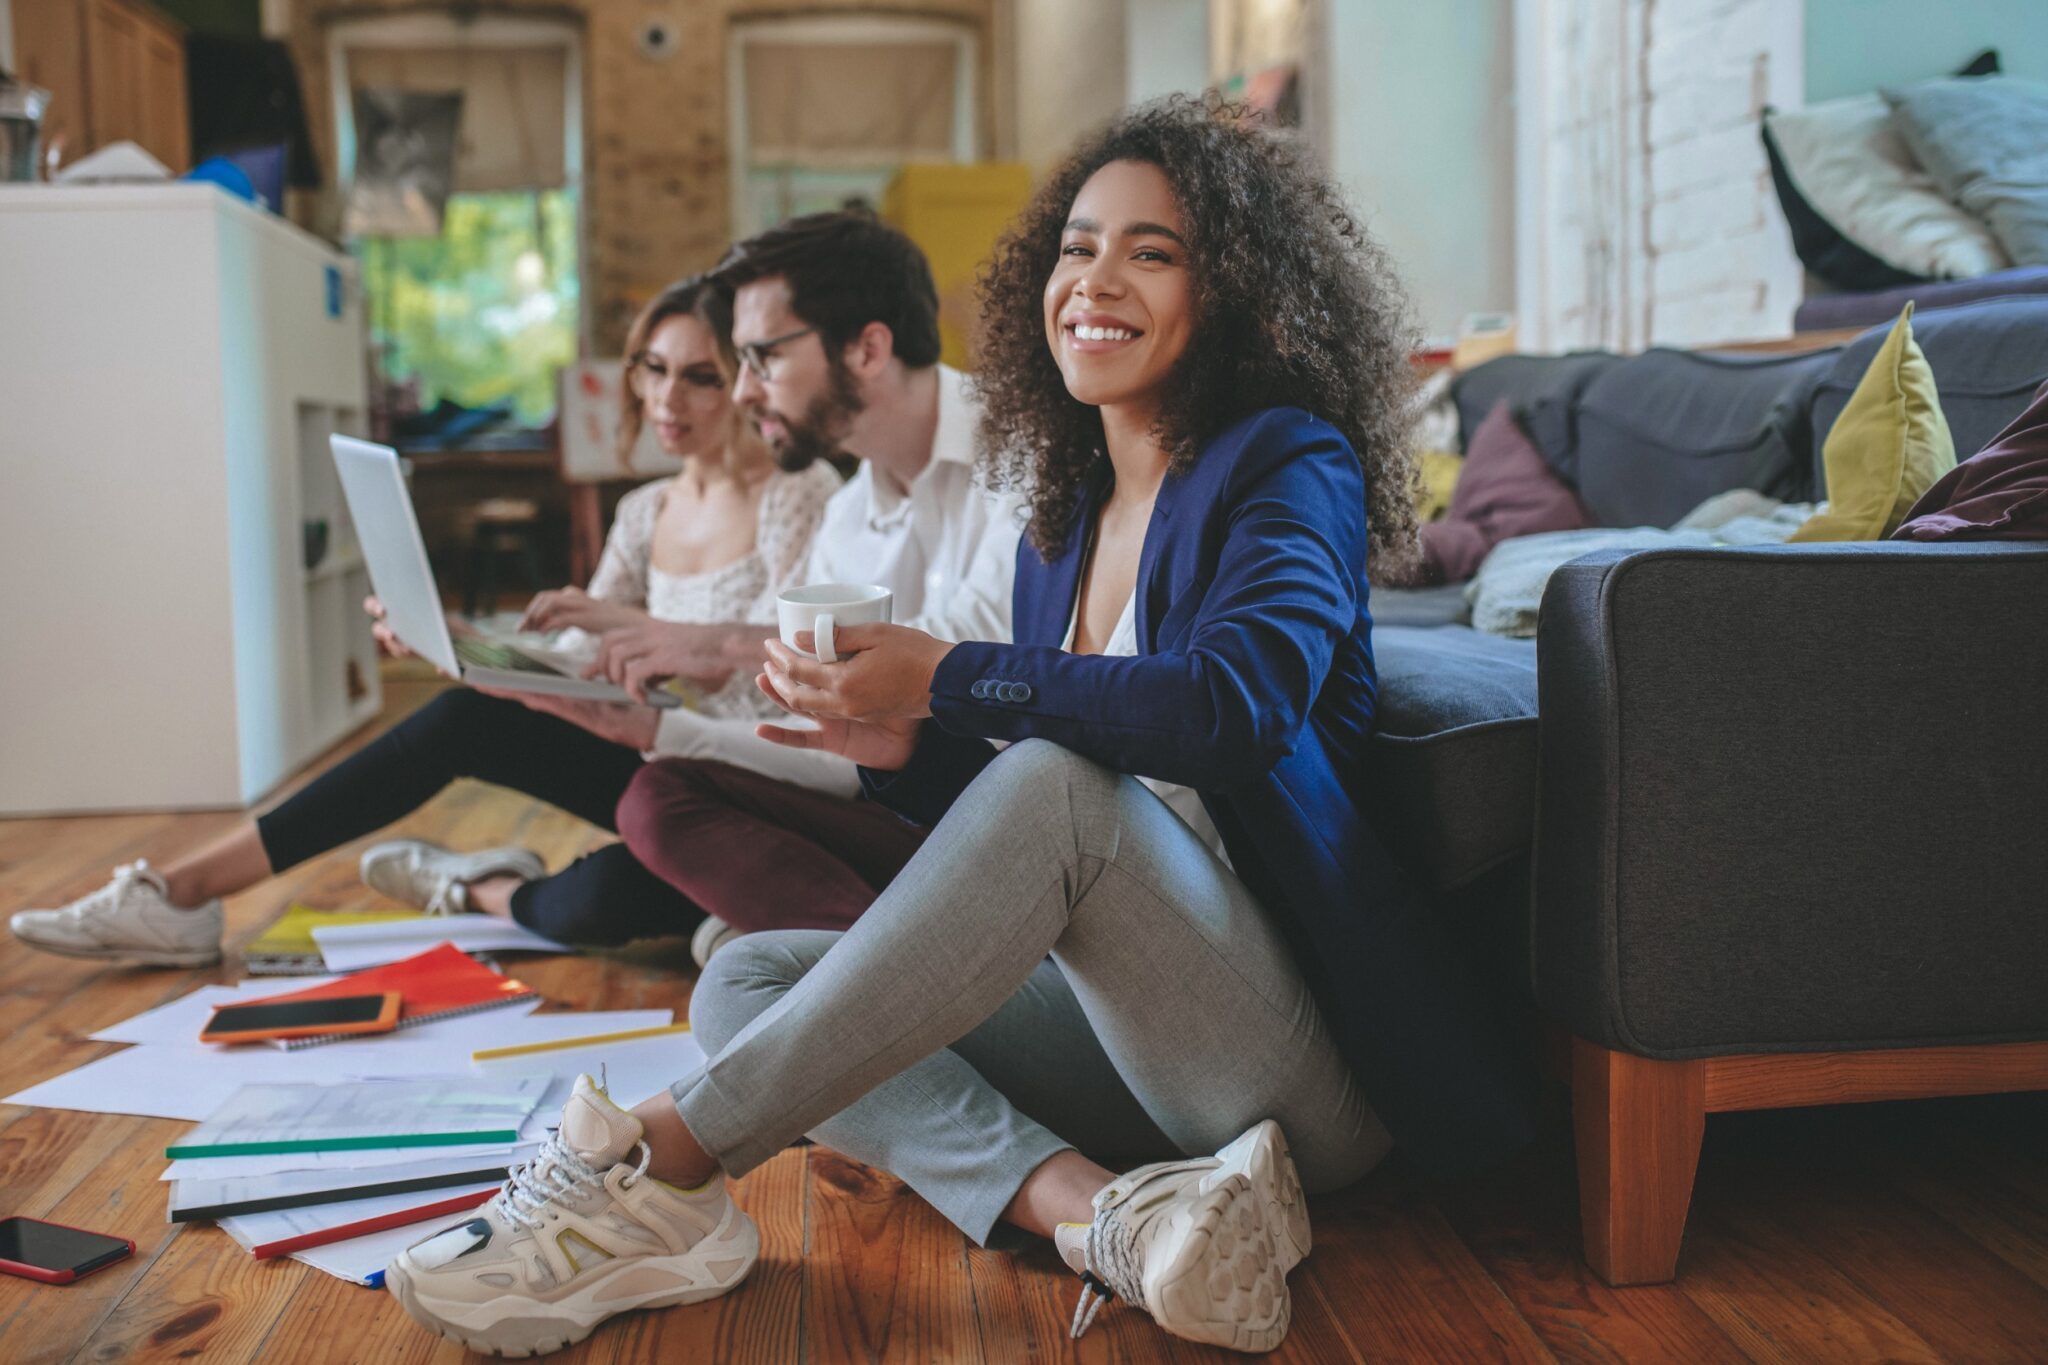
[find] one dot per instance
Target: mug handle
(821, 632)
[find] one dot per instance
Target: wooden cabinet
(115, 70)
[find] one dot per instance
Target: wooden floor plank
(89, 1171)
(1521, 1223)
(1765, 1273)
(1404, 1285)
(1914, 1233)
(1965, 1302)
(886, 1277)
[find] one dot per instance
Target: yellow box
(956, 213)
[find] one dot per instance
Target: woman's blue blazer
(1254, 684)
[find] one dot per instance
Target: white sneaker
(574, 1237)
(130, 919)
(713, 934)
(434, 879)
(1203, 1245)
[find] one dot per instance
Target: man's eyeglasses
(649, 376)
(759, 356)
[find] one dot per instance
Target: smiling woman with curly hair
(1297, 308)
(1156, 927)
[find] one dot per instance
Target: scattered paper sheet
(359, 1258)
(181, 1020)
(191, 1082)
(634, 1070)
(351, 1115)
(350, 947)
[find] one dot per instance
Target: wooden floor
(1894, 1232)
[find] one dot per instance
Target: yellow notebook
(287, 948)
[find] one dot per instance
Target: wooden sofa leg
(1637, 1125)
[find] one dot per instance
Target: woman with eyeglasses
(714, 543)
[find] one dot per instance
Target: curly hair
(1295, 307)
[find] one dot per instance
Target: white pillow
(1856, 172)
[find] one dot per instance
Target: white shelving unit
(172, 361)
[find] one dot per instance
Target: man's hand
(882, 745)
(637, 656)
(884, 673)
(619, 722)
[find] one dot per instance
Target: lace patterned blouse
(744, 590)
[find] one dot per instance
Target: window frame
(484, 30)
(847, 29)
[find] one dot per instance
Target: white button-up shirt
(946, 548)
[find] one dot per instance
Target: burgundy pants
(758, 852)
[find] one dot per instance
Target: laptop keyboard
(487, 654)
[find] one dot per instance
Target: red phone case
(67, 1275)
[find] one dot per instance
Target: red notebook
(440, 983)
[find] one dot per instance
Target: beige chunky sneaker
(130, 919)
(575, 1236)
(435, 879)
(1203, 1245)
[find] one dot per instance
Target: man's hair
(846, 270)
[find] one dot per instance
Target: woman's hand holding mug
(867, 683)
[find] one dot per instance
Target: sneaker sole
(126, 957)
(1219, 1276)
(548, 1327)
(1262, 1158)
(468, 867)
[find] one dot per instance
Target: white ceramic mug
(822, 607)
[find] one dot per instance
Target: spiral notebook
(441, 983)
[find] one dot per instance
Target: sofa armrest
(1794, 798)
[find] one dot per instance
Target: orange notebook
(441, 983)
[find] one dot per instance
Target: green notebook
(287, 948)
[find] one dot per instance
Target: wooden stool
(500, 525)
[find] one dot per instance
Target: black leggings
(603, 898)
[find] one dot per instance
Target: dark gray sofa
(1776, 833)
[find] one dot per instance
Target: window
(468, 328)
(826, 110)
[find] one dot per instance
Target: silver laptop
(381, 508)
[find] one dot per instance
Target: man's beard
(824, 424)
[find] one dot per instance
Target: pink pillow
(1504, 490)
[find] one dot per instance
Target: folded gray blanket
(1508, 589)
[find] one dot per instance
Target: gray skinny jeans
(934, 1039)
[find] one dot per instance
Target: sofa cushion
(1831, 312)
(1543, 391)
(1887, 448)
(1664, 431)
(1988, 359)
(1863, 214)
(1504, 490)
(1985, 142)
(2000, 493)
(1453, 760)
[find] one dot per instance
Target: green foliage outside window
(487, 311)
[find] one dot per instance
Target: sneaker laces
(1112, 1267)
(114, 892)
(556, 1172)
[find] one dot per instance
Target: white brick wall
(1645, 211)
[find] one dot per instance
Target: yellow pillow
(1888, 446)
(1436, 478)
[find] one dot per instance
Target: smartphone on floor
(54, 1253)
